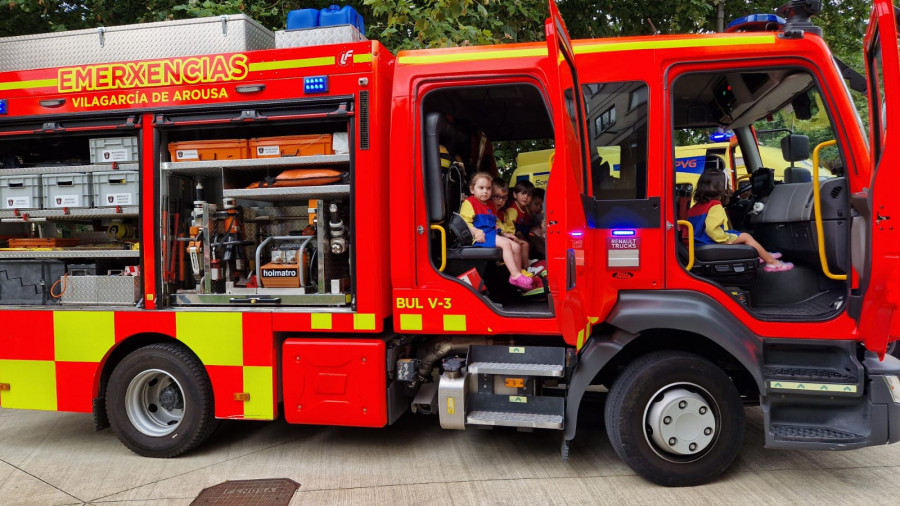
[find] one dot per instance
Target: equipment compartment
(236, 234)
(114, 149)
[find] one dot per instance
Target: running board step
(813, 434)
(518, 360)
(813, 368)
(509, 368)
(498, 418)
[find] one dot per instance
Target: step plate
(545, 370)
(805, 433)
(536, 421)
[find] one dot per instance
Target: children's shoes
(520, 281)
(778, 266)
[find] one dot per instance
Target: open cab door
(876, 249)
(565, 218)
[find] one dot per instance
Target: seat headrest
(797, 175)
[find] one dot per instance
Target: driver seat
(726, 264)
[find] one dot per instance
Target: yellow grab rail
(690, 242)
(817, 209)
(443, 245)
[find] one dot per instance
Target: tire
(160, 402)
(675, 418)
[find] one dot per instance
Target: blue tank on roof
(302, 18)
(346, 15)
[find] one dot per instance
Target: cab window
(617, 131)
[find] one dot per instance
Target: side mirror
(795, 148)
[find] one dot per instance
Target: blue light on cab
(576, 233)
(315, 84)
(3, 107)
(623, 233)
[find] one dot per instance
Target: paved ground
(58, 459)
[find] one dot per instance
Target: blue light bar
(621, 233)
(3, 107)
(315, 84)
(756, 23)
(720, 136)
(576, 233)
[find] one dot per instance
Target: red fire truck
(206, 221)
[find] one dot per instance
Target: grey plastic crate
(115, 188)
(69, 190)
(20, 192)
(114, 149)
(146, 41)
(101, 290)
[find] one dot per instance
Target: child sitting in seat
(711, 223)
(480, 214)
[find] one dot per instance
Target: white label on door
(17, 202)
(187, 154)
(268, 151)
(66, 201)
(118, 199)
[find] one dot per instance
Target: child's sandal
(523, 282)
(775, 255)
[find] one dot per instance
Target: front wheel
(675, 418)
(159, 401)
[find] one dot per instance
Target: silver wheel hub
(154, 403)
(680, 422)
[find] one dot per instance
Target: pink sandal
(775, 255)
(779, 266)
(521, 281)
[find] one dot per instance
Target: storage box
(319, 36)
(102, 290)
(71, 190)
(291, 145)
(218, 149)
(473, 279)
(234, 33)
(115, 188)
(20, 192)
(29, 281)
(114, 149)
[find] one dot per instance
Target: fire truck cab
(286, 220)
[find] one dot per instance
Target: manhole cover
(258, 492)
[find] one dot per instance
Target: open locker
(256, 205)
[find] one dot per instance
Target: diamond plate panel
(318, 36)
(164, 39)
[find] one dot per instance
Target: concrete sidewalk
(58, 459)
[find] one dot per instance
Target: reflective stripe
(455, 322)
(216, 338)
(364, 321)
(410, 322)
(83, 336)
(362, 58)
(24, 85)
(320, 321)
(258, 382)
(472, 56)
(768, 38)
(32, 384)
(292, 64)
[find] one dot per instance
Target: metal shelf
(63, 169)
(211, 167)
(289, 193)
(82, 253)
(72, 214)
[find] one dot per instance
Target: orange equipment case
(291, 145)
(216, 149)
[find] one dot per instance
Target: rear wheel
(675, 418)
(159, 401)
